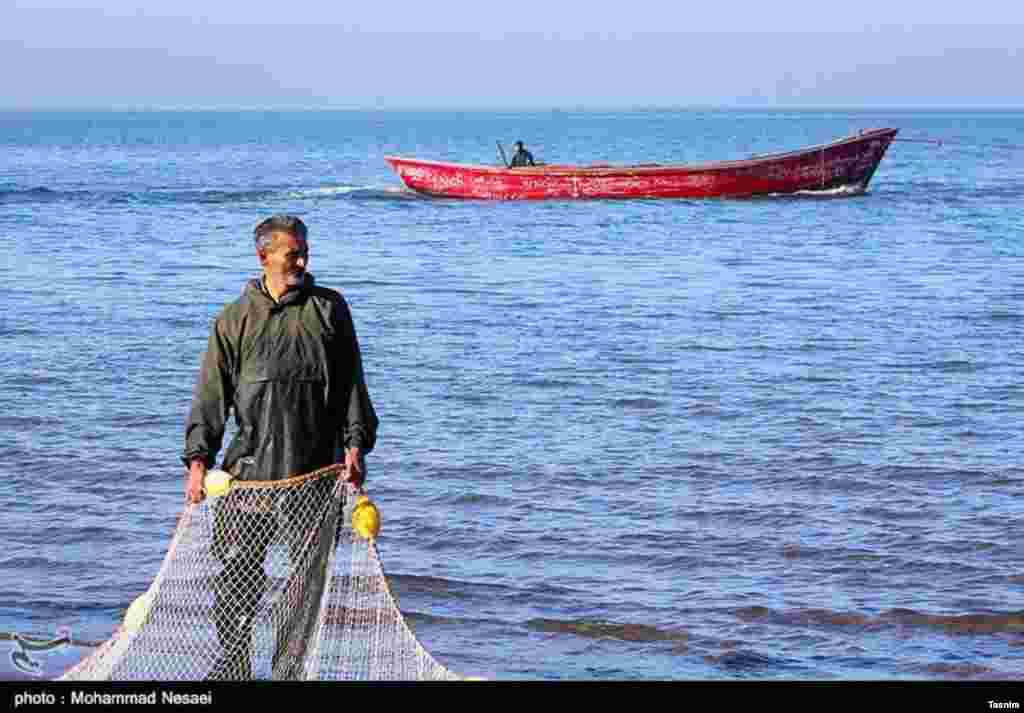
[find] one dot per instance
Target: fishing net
(268, 581)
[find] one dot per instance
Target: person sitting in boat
(522, 157)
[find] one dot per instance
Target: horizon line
(578, 107)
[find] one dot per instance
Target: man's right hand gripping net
(268, 581)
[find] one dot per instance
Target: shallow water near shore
(761, 439)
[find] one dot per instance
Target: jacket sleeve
(211, 403)
(359, 422)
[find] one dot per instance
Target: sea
(765, 439)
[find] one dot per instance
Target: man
(522, 157)
(285, 358)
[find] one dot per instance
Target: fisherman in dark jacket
(522, 157)
(284, 357)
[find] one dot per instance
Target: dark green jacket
(293, 375)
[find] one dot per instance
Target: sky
(528, 54)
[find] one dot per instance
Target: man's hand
(355, 467)
(194, 491)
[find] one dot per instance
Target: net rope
(269, 581)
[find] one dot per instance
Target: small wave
(925, 474)
(957, 624)
(434, 290)
(414, 618)
(954, 366)
(144, 197)
(38, 191)
(705, 347)
(547, 384)
(139, 420)
(880, 512)
(607, 630)
(817, 379)
(958, 670)
(989, 623)
(409, 583)
(803, 617)
(9, 636)
(34, 562)
(16, 422)
(640, 404)
(28, 195)
(32, 380)
(730, 313)
(389, 193)
(1008, 191)
(6, 331)
(469, 499)
(325, 191)
(742, 660)
(206, 196)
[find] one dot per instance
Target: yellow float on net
(217, 483)
(366, 518)
(138, 611)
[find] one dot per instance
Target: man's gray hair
(264, 232)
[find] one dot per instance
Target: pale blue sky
(527, 54)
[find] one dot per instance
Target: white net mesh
(267, 582)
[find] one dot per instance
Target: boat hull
(846, 165)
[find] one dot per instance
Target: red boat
(843, 166)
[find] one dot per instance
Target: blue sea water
(761, 439)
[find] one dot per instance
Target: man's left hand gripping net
(267, 582)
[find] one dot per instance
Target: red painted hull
(846, 165)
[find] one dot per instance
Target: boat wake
(365, 193)
(857, 189)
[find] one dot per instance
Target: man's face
(285, 262)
